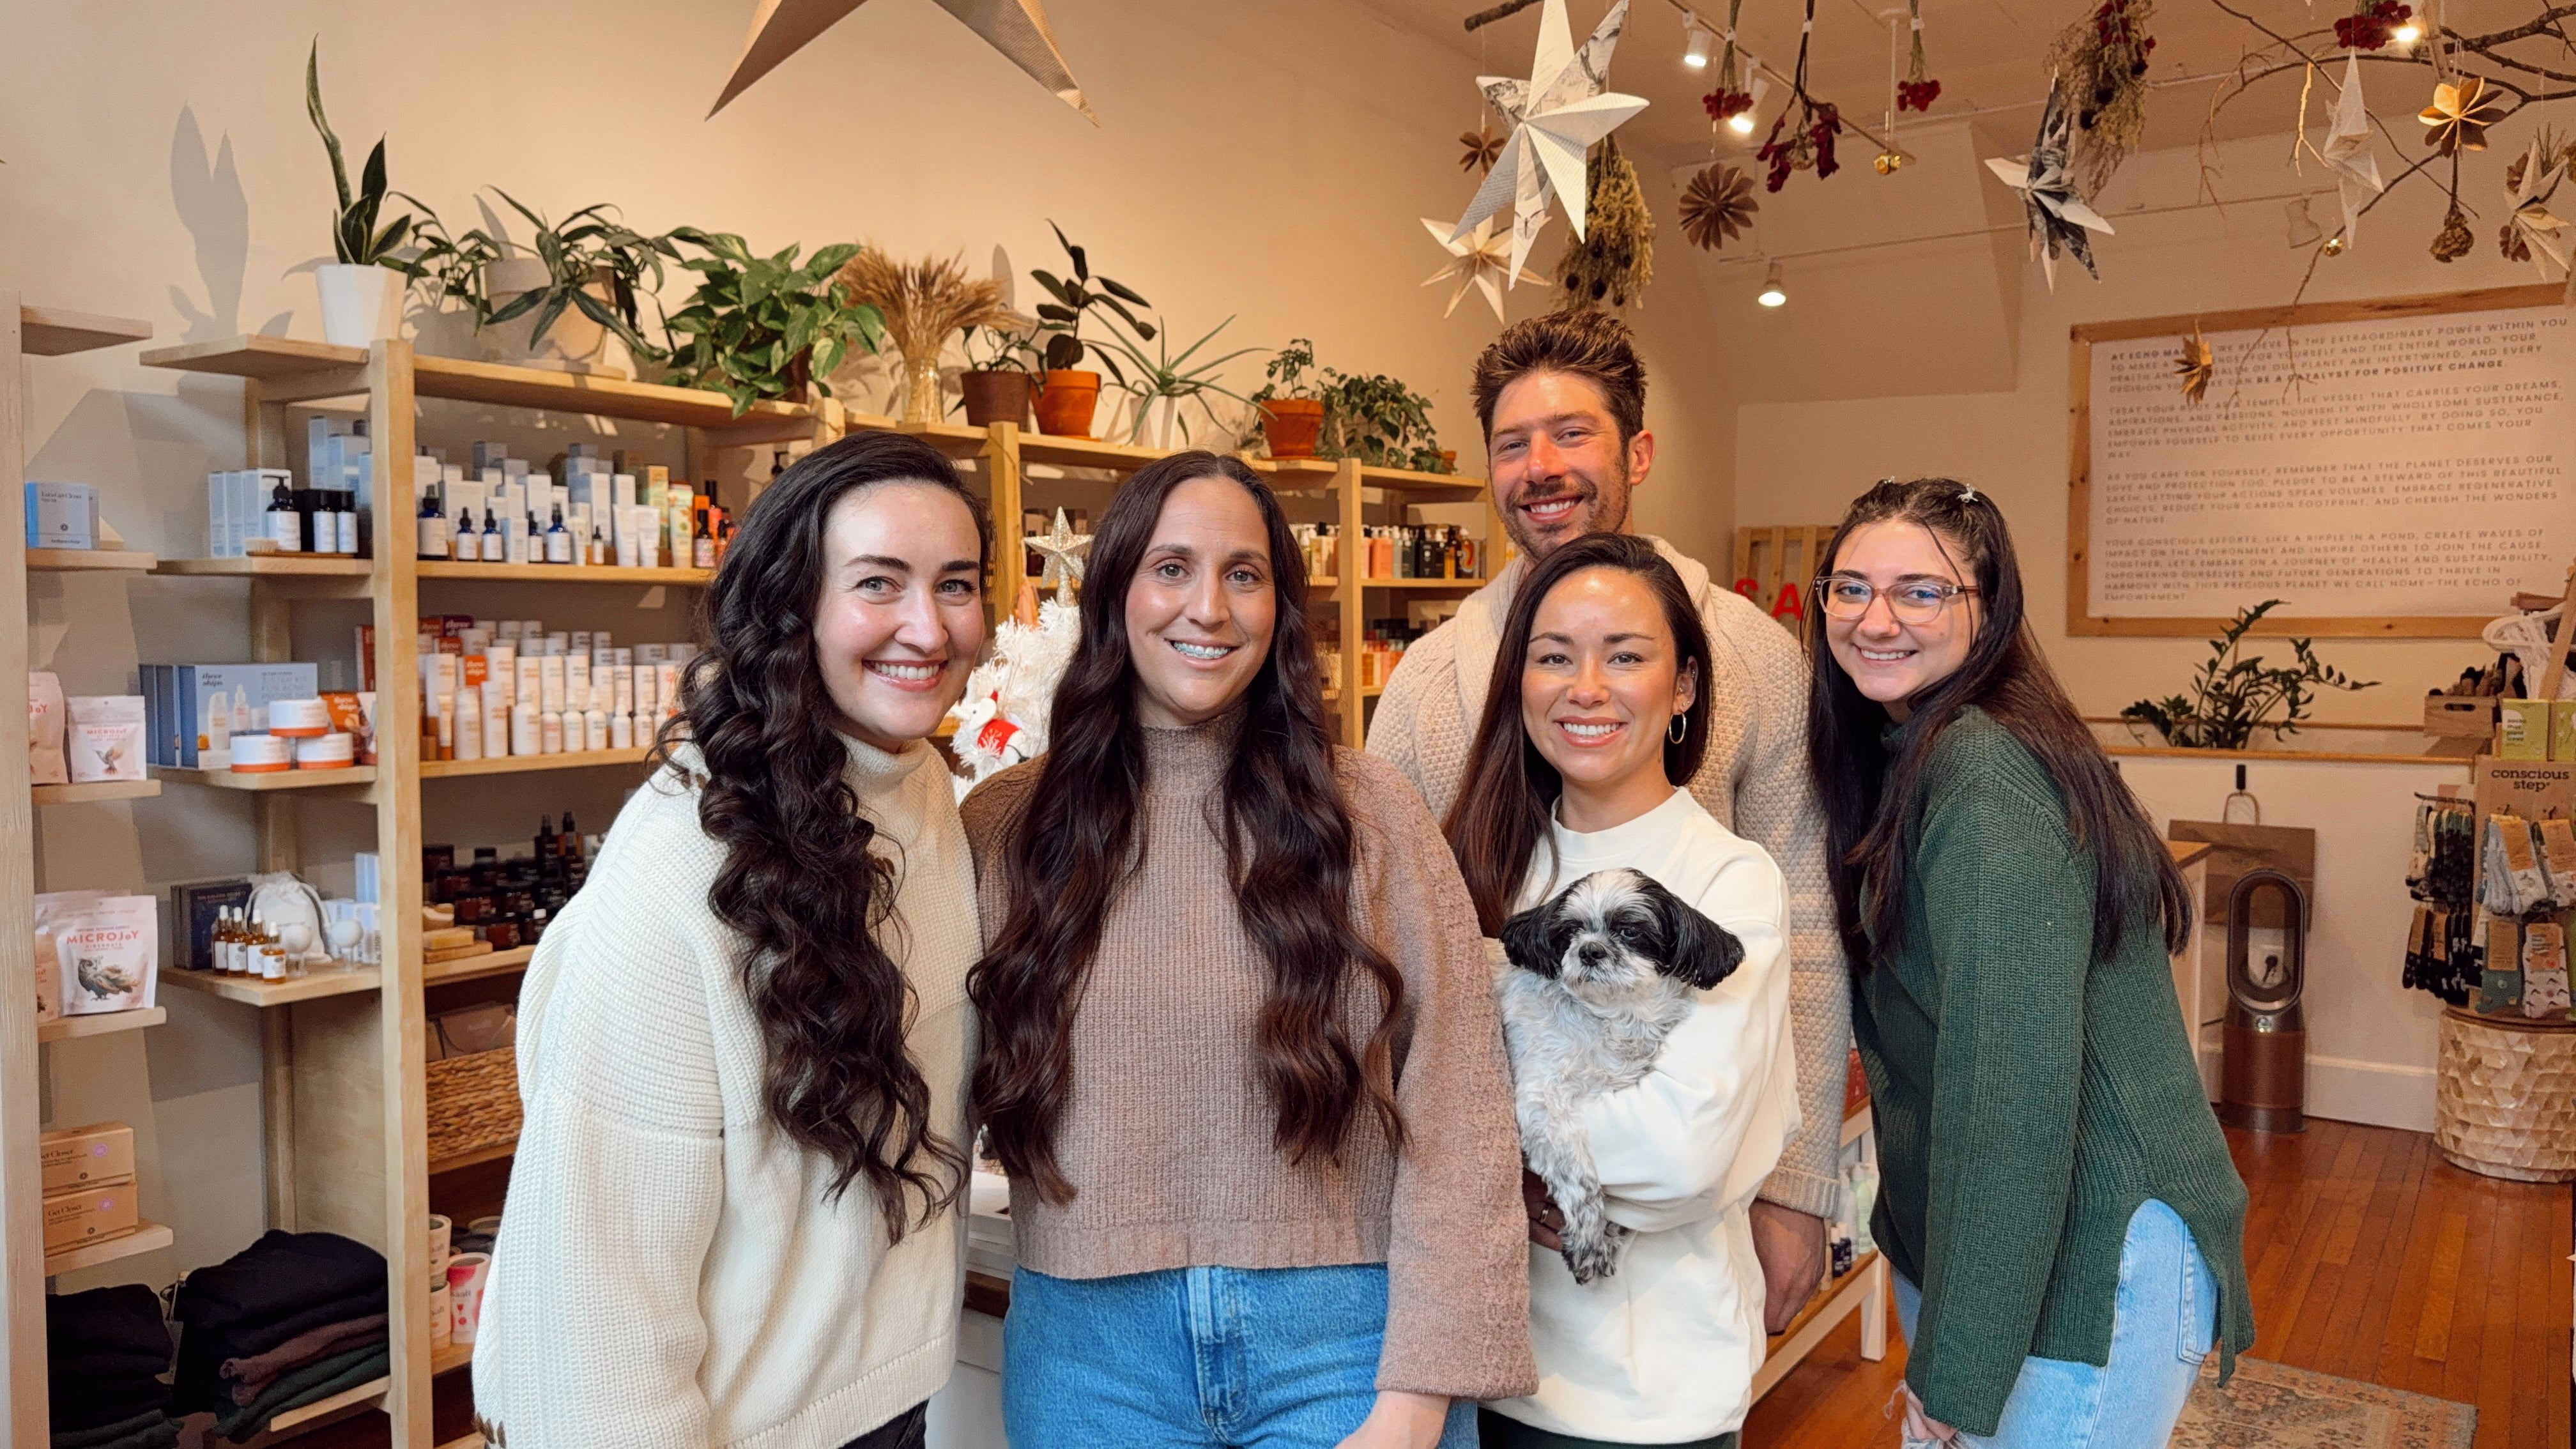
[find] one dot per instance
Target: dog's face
(1613, 932)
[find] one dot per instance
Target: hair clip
(1967, 493)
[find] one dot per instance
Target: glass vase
(921, 395)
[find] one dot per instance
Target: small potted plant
(2233, 696)
(1291, 412)
(1381, 422)
(1069, 395)
(767, 327)
(1002, 360)
(1164, 381)
(361, 293)
(558, 298)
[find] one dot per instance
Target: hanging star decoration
(1016, 28)
(1556, 115)
(2460, 114)
(2057, 217)
(2347, 150)
(1718, 207)
(1481, 260)
(1064, 550)
(2531, 233)
(2195, 366)
(1482, 147)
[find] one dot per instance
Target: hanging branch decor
(1610, 265)
(2532, 233)
(2347, 153)
(2195, 366)
(1559, 112)
(1733, 97)
(2454, 240)
(2101, 65)
(2460, 115)
(1717, 207)
(2371, 25)
(1918, 90)
(1810, 125)
(2056, 216)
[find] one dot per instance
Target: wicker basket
(2506, 1098)
(473, 1103)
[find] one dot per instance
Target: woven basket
(2506, 1098)
(473, 1103)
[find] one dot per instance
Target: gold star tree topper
(1064, 550)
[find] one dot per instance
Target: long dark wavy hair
(1869, 799)
(1503, 804)
(799, 880)
(1289, 850)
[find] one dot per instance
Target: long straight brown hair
(1503, 804)
(1289, 850)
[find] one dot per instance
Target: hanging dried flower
(2454, 240)
(2194, 366)
(1721, 104)
(1803, 137)
(1615, 259)
(1918, 90)
(1730, 99)
(1718, 207)
(1484, 148)
(2460, 114)
(2101, 64)
(2371, 25)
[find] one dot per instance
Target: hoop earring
(1679, 731)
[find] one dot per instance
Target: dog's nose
(1591, 955)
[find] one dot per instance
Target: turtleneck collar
(873, 772)
(1192, 753)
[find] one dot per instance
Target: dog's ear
(1525, 940)
(1704, 952)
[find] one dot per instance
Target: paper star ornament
(2195, 366)
(1556, 115)
(2532, 233)
(1064, 550)
(2347, 149)
(2058, 218)
(1016, 28)
(1481, 259)
(2460, 114)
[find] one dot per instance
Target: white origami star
(1016, 28)
(2532, 223)
(1481, 259)
(1063, 549)
(2347, 149)
(2056, 215)
(1556, 115)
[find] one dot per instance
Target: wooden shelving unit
(25, 332)
(1862, 1290)
(469, 968)
(521, 764)
(312, 986)
(267, 782)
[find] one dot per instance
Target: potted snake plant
(362, 292)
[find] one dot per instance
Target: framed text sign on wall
(2393, 469)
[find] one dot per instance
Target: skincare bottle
(558, 540)
(568, 839)
(703, 547)
(469, 724)
(598, 554)
(219, 945)
(594, 728)
(348, 525)
(550, 732)
(272, 956)
(524, 736)
(463, 544)
(621, 731)
(495, 549)
(285, 526)
(545, 841)
(433, 528)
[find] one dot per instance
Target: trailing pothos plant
(2232, 697)
(766, 327)
(590, 249)
(1061, 319)
(355, 238)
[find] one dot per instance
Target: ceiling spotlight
(1741, 123)
(1695, 38)
(1772, 293)
(2407, 34)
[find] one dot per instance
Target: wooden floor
(2371, 1258)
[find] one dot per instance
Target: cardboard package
(89, 1215)
(2522, 729)
(91, 1156)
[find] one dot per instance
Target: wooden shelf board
(370, 1390)
(1426, 585)
(146, 1238)
(72, 1028)
(255, 356)
(565, 573)
(476, 1158)
(273, 780)
(92, 793)
(954, 439)
(267, 565)
(448, 1358)
(87, 560)
(608, 397)
(310, 987)
(1085, 452)
(468, 968)
(1437, 487)
(519, 764)
(470, 1441)
(59, 331)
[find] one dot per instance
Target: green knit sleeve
(2008, 908)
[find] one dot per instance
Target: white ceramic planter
(359, 304)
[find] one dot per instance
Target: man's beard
(1517, 525)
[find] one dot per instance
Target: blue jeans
(1208, 1358)
(2162, 1325)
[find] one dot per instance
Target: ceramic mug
(466, 1274)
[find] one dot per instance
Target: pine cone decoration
(2455, 239)
(1718, 207)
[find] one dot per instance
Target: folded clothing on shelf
(151, 1429)
(289, 1320)
(106, 1351)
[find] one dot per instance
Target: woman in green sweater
(2055, 1195)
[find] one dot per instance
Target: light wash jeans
(2162, 1325)
(1198, 1358)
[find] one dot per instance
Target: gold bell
(1888, 161)
(2334, 246)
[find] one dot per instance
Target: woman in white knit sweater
(733, 1216)
(1595, 713)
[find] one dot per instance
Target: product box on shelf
(87, 1215)
(106, 949)
(237, 507)
(191, 723)
(107, 738)
(195, 906)
(2523, 729)
(91, 1156)
(62, 515)
(2562, 730)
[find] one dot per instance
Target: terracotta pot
(1066, 402)
(1289, 425)
(996, 397)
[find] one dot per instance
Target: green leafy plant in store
(2232, 696)
(593, 263)
(766, 326)
(1374, 418)
(356, 239)
(1061, 319)
(1162, 374)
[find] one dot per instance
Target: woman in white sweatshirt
(1595, 712)
(732, 1219)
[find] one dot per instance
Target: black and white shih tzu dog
(1598, 976)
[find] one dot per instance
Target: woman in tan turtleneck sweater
(1240, 1053)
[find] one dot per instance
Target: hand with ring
(1546, 1219)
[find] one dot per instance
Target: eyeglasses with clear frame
(1912, 601)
